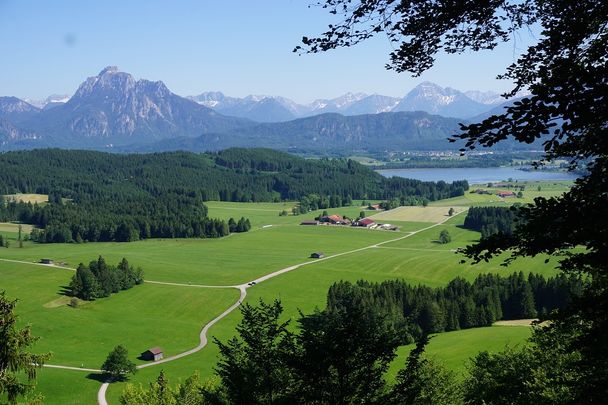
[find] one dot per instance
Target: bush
(444, 237)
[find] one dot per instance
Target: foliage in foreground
(339, 356)
(566, 74)
(18, 367)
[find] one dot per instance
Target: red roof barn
(366, 222)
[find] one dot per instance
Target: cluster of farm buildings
(340, 220)
(502, 194)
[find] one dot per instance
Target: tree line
(398, 192)
(98, 279)
(415, 311)
(491, 220)
(122, 219)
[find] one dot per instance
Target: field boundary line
(418, 249)
(189, 285)
(38, 264)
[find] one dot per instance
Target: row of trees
(398, 192)
(313, 202)
(491, 220)
(415, 311)
(98, 279)
(121, 220)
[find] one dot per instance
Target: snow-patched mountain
(427, 97)
(485, 97)
(373, 104)
(114, 108)
(16, 110)
(338, 104)
(279, 109)
(434, 99)
(51, 101)
(253, 107)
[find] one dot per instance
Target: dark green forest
(415, 311)
(95, 196)
(491, 220)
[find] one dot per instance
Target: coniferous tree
(18, 367)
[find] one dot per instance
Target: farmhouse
(317, 255)
(505, 194)
(334, 219)
(375, 207)
(155, 353)
(365, 222)
(46, 261)
(309, 223)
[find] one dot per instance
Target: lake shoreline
(479, 175)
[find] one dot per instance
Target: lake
(475, 175)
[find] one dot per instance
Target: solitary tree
(566, 73)
(118, 365)
(451, 212)
(444, 237)
(15, 361)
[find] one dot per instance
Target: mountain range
(428, 97)
(114, 111)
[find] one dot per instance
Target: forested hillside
(98, 196)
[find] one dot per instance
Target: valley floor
(172, 306)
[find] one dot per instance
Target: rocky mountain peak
(108, 70)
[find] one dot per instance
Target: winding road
(101, 394)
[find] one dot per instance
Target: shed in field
(317, 255)
(155, 353)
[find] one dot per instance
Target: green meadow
(453, 349)
(531, 191)
(172, 316)
(145, 316)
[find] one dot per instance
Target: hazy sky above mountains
(239, 47)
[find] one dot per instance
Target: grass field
(453, 349)
(416, 214)
(145, 316)
(171, 316)
(11, 230)
(31, 198)
(547, 189)
(227, 261)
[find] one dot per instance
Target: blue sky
(239, 47)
